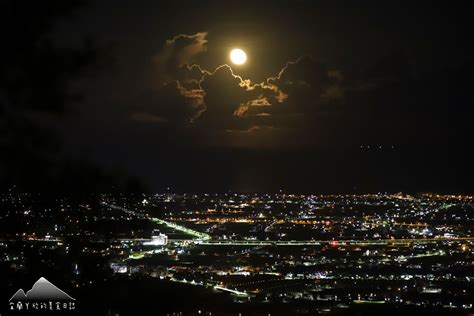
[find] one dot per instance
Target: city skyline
(248, 254)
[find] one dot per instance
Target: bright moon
(238, 56)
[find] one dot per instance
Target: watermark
(42, 296)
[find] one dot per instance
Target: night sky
(335, 96)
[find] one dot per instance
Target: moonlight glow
(238, 56)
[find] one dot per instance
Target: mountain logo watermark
(42, 296)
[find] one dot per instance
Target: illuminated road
(194, 233)
(323, 242)
(221, 288)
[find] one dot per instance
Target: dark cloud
(148, 118)
(189, 76)
(303, 83)
(181, 50)
(252, 129)
(175, 97)
(223, 95)
(171, 103)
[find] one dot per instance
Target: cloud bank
(221, 100)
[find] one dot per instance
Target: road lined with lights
(322, 242)
(192, 232)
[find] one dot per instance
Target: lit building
(157, 239)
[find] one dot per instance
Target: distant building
(157, 239)
(119, 267)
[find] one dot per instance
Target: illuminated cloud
(219, 99)
(244, 109)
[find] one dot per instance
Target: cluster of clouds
(221, 100)
(303, 103)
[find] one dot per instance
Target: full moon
(238, 56)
